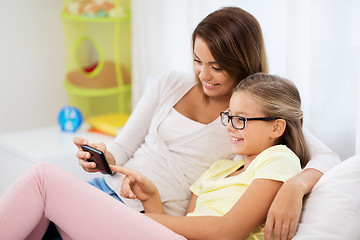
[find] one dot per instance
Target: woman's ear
(278, 128)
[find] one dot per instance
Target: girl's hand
(135, 185)
(82, 156)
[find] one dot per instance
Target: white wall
(313, 43)
(32, 64)
(299, 35)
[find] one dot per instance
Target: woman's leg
(47, 192)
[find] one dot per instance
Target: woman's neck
(220, 102)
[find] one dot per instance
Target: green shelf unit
(98, 59)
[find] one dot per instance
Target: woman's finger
(277, 230)
(78, 141)
(269, 225)
(292, 230)
(83, 155)
(285, 230)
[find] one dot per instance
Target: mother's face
(215, 81)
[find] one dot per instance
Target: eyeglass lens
(237, 122)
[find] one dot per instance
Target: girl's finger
(122, 170)
(126, 189)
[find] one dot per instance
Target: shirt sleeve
(277, 163)
(321, 157)
(195, 188)
(212, 171)
(133, 134)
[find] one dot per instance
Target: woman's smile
(210, 85)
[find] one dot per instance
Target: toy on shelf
(94, 8)
(98, 58)
(69, 119)
(108, 123)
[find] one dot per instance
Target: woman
(173, 135)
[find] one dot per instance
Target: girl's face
(215, 81)
(257, 135)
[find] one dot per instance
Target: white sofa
(332, 210)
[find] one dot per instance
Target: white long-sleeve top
(173, 166)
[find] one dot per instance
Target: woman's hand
(284, 214)
(136, 185)
(82, 156)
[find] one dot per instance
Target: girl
(231, 199)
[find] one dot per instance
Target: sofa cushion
(332, 209)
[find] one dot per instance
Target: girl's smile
(235, 140)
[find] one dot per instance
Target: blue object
(70, 119)
(100, 183)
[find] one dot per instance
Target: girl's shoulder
(276, 153)
(277, 163)
(223, 166)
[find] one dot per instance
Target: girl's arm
(284, 213)
(248, 212)
(135, 185)
(192, 202)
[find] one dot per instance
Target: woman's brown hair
(279, 97)
(235, 40)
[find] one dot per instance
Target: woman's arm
(285, 211)
(133, 134)
(130, 137)
(321, 157)
(248, 212)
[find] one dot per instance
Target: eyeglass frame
(244, 119)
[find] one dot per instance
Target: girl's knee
(44, 167)
(44, 170)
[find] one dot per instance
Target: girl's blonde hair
(279, 97)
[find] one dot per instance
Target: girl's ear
(278, 128)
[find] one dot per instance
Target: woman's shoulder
(174, 80)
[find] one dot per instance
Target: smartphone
(98, 157)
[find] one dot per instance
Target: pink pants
(80, 211)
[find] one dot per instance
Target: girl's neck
(248, 160)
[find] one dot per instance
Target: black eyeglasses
(238, 122)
